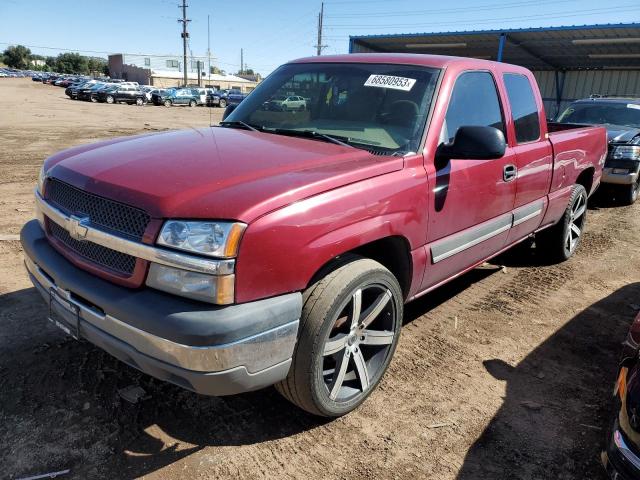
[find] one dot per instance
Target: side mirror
(474, 143)
(228, 110)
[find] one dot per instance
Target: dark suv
(122, 93)
(621, 118)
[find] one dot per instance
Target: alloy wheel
(359, 342)
(576, 222)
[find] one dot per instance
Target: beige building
(167, 71)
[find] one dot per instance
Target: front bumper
(618, 178)
(620, 461)
(209, 349)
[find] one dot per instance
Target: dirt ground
(504, 374)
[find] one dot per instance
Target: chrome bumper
(255, 353)
(618, 178)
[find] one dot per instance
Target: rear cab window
(474, 102)
(526, 118)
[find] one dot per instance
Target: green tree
(72, 63)
(50, 63)
(17, 56)
(97, 66)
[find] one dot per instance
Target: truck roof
(435, 61)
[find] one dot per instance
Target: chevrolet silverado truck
(621, 117)
(279, 247)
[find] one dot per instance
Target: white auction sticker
(389, 81)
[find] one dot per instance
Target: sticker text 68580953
(389, 81)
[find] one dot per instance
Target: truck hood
(619, 134)
(215, 173)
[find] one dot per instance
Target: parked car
(621, 118)
(182, 96)
(72, 90)
(279, 248)
(621, 457)
(222, 98)
(90, 93)
(285, 103)
(157, 96)
(122, 93)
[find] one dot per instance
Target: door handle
(509, 173)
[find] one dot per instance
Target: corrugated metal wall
(582, 83)
(577, 83)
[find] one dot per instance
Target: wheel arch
(586, 179)
(393, 252)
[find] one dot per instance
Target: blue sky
(272, 32)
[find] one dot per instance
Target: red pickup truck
(280, 246)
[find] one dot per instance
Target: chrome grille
(105, 257)
(102, 212)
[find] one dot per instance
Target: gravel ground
(505, 373)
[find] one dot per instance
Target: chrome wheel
(359, 342)
(576, 222)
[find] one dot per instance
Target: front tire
(559, 242)
(630, 193)
(349, 329)
(110, 99)
(167, 103)
(192, 103)
(139, 102)
(222, 103)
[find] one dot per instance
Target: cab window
(523, 107)
(474, 102)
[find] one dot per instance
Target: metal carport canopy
(608, 46)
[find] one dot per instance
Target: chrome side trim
(527, 212)
(626, 452)
(135, 249)
(447, 247)
(255, 353)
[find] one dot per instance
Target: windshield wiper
(239, 123)
(338, 140)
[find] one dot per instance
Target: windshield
(382, 108)
(600, 113)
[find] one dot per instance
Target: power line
(493, 6)
(494, 20)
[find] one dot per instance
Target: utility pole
(208, 50)
(319, 45)
(185, 36)
(241, 61)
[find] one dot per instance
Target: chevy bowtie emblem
(77, 227)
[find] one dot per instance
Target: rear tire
(139, 102)
(559, 242)
(110, 99)
(167, 103)
(222, 103)
(349, 329)
(192, 103)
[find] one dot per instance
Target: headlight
(41, 178)
(626, 152)
(214, 239)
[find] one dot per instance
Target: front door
(471, 201)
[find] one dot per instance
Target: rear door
(533, 152)
(470, 201)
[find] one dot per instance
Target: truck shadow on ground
(556, 412)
